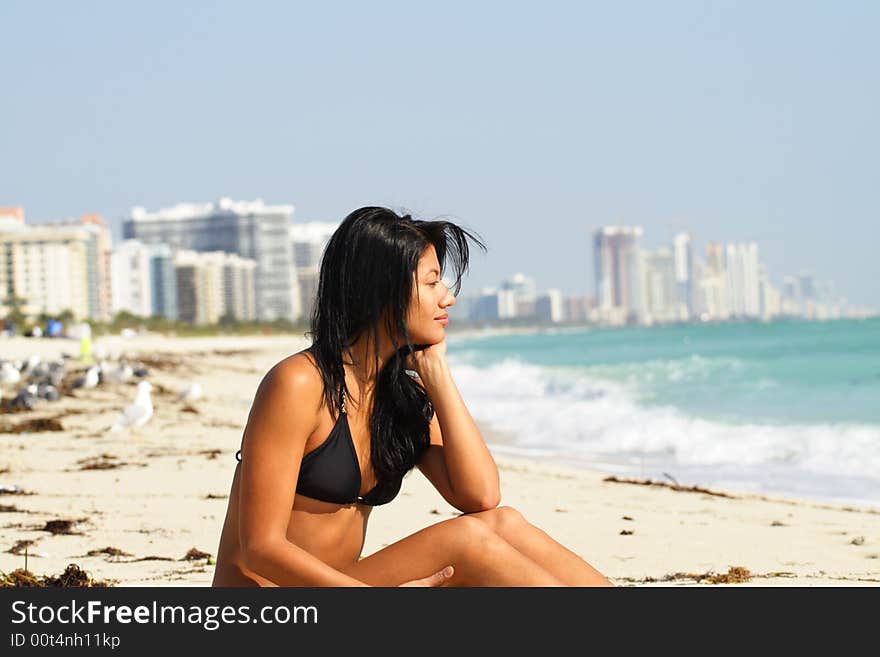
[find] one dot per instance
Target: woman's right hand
(437, 579)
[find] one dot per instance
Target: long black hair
(368, 272)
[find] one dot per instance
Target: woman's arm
(471, 469)
(283, 415)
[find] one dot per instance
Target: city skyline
(677, 281)
(586, 286)
(723, 120)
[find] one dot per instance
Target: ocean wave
(588, 418)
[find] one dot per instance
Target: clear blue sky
(530, 123)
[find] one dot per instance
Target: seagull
(48, 391)
(191, 394)
(119, 374)
(138, 413)
(26, 399)
(90, 380)
(31, 364)
(9, 373)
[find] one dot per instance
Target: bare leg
(480, 558)
(567, 566)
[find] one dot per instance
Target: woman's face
(431, 299)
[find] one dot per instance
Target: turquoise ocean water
(784, 408)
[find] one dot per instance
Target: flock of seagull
(34, 380)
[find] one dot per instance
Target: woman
(334, 428)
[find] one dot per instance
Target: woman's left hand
(425, 361)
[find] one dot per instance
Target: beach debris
(190, 409)
(194, 554)
(34, 425)
(777, 523)
(108, 551)
(139, 412)
(60, 526)
(21, 546)
(435, 512)
(626, 532)
(15, 489)
(558, 510)
(73, 576)
(734, 575)
(104, 462)
(676, 487)
(216, 496)
(210, 453)
(192, 393)
(162, 362)
(626, 518)
(10, 508)
(858, 540)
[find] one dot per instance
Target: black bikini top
(331, 472)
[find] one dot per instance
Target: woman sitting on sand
(334, 428)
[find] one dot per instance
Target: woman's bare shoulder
(297, 373)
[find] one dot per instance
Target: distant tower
(616, 258)
(684, 274)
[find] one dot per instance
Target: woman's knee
(501, 519)
(472, 536)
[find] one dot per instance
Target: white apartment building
(659, 287)
(213, 284)
(684, 274)
(130, 273)
(251, 229)
(48, 267)
(549, 306)
(308, 241)
(742, 280)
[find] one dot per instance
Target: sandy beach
(139, 501)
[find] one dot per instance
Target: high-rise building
(710, 286)
(659, 286)
(214, 284)
(46, 266)
(308, 241)
(808, 300)
(616, 258)
(132, 290)
(742, 279)
(239, 287)
(684, 275)
(548, 306)
(769, 295)
(577, 308)
(492, 304)
(791, 297)
(249, 229)
(98, 262)
(524, 292)
(163, 281)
